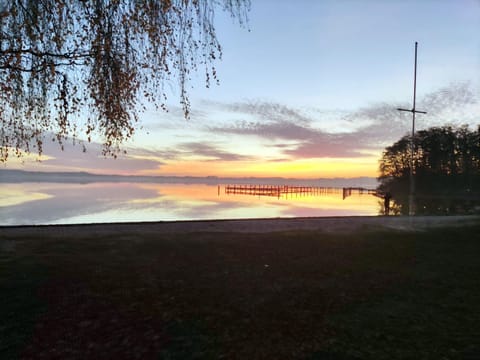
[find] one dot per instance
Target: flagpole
(411, 197)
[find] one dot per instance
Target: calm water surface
(60, 203)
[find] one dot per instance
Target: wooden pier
(278, 190)
(284, 190)
(358, 190)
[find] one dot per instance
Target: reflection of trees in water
(447, 171)
(395, 208)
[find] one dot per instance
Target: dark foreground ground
(372, 292)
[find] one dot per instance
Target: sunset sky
(309, 89)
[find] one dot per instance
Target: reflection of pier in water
(358, 190)
(285, 190)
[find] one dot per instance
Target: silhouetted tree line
(446, 170)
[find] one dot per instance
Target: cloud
(285, 132)
(385, 124)
(210, 151)
(186, 150)
(456, 97)
(273, 130)
(308, 141)
(73, 158)
(264, 110)
(374, 126)
(336, 146)
(450, 105)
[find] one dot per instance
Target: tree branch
(67, 55)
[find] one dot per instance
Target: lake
(98, 202)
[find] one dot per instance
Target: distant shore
(16, 176)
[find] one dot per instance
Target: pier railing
(278, 190)
(358, 190)
(285, 190)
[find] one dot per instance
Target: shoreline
(347, 224)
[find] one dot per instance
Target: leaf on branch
(62, 59)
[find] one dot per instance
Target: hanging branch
(66, 63)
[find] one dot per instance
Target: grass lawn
(291, 295)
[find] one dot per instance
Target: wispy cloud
(209, 151)
(456, 97)
(263, 110)
(308, 141)
(285, 133)
(281, 129)
(73, 158)
(378, 124)
(185, 150)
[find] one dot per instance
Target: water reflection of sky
(52, 203)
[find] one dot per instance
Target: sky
(308, 89)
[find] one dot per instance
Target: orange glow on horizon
(305, 168)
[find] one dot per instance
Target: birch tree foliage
(72, 67)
